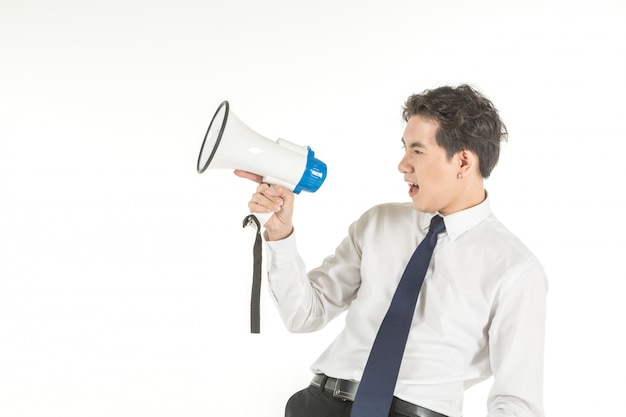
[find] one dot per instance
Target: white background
(125, 275)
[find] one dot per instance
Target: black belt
(346, 390)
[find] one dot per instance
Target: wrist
(278, 234)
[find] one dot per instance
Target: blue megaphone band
(313, 176)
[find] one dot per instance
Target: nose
(404, 167)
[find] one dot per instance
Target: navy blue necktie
(375, 392)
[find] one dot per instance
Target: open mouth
(413, 188)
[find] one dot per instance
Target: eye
(415, 148)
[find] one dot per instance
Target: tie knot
(437, 225)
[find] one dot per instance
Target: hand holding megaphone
(272, 205)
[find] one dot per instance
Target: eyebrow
(416, 144)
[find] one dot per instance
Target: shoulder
(387, 220)
(506, 240)
(389, 214)
(389, 211)
(508, 250)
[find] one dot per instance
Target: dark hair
(467, 121)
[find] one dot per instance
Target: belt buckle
(342, 390)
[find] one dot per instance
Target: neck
(471, 194)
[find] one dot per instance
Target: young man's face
(432, 177)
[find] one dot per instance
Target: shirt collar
(461, 221)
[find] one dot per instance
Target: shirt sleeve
(306, 302)
(516, 343)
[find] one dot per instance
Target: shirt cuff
(282, 252)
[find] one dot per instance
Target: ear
(468, 161)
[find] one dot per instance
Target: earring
(459, 176)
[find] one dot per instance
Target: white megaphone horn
(229, 143)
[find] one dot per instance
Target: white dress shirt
(480, 312)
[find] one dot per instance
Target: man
(481, 309)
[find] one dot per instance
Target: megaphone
(229, 143)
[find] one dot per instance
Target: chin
(423, 207)
(419, 207)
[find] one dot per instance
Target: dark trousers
(315, 402)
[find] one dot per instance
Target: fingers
(267, 199)
(279, 201)
(274, 199)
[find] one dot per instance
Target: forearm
(307, 301)
(294, 296)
